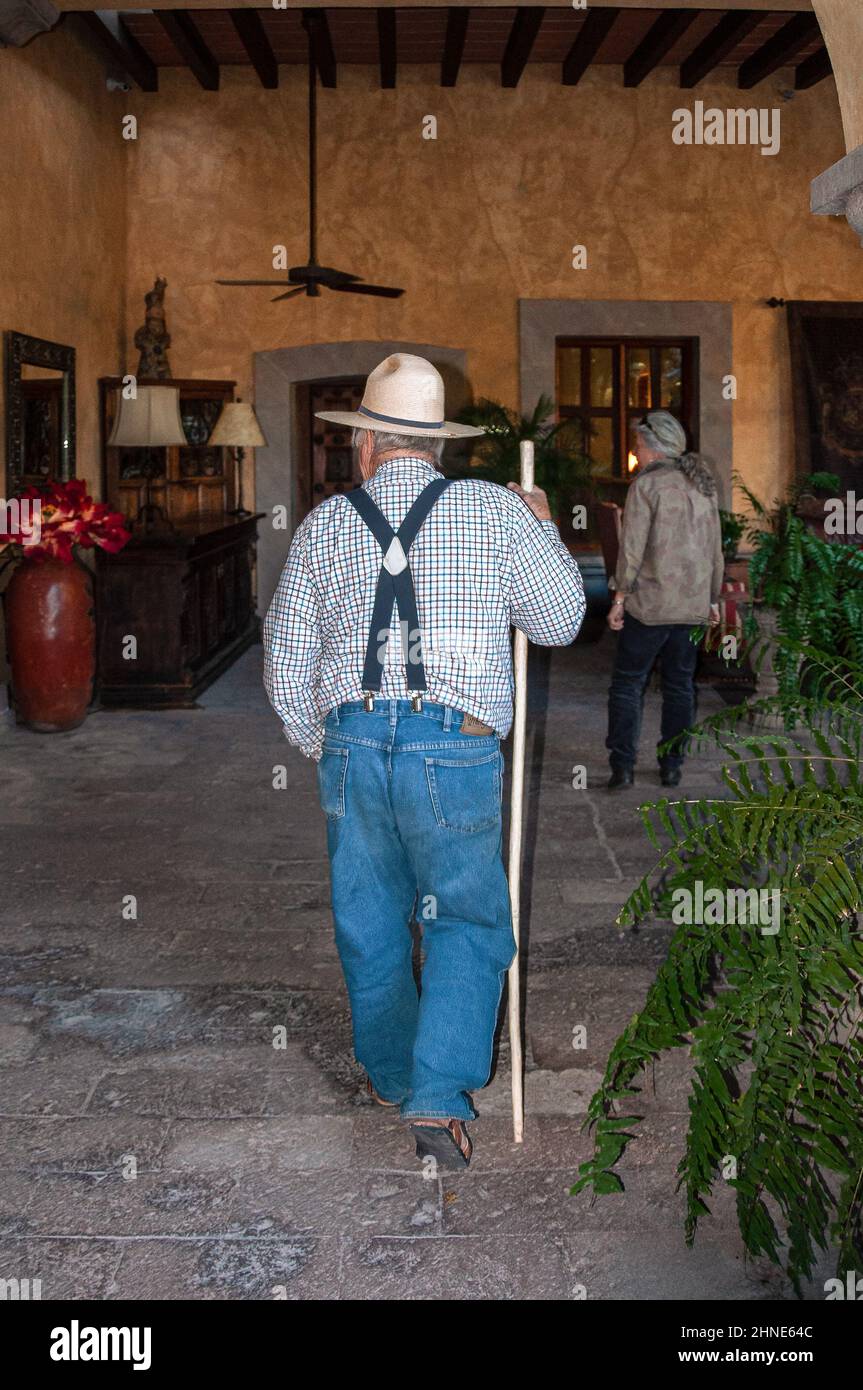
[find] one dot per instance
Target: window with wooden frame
(606, 385)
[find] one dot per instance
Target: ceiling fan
(307, 279)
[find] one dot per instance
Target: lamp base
(152, 518)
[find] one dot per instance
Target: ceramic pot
(51, 638)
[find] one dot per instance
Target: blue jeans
(413, 811)
(638, 646)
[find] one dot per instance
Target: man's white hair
(382, 441)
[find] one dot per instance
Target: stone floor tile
(262, 1171)
(275, 1144)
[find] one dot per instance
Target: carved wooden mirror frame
(23, 350)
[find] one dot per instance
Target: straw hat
(404, 395)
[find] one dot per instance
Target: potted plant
(50, 630)
(560, 469)
(733, 526)
(811, 496)
(804, 589)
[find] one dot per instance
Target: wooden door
(333, 467)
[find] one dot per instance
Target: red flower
(65, 516)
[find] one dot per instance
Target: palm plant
(559, 466)
(773, 1019)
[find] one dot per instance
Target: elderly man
(669, 574)
(388, 661)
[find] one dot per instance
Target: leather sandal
(447, 1141)
(379, 1100)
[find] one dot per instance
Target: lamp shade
(237, 427)
(149, 420)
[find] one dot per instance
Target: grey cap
(662, 431)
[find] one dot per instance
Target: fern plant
(773, 1018)
(815, 587)
(733, 526)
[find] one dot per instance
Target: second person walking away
(667, 582)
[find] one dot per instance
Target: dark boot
(620, 777)
(670, 776)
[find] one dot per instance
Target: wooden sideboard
(176, 605)
(174, 609)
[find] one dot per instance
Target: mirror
(40, 411)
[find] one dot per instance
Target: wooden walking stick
(516, 823)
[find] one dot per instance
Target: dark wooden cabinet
(174, 609)
(176, 606)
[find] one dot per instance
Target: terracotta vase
(51, 636)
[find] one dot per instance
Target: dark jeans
(638, 646)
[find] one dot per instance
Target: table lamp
(237, 428)
(148, 420)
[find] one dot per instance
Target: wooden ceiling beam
(318, 30)
(659, 40)
(453, 48)
(522, 35)
(779, 51)
(812, 70)
(183, 33)
(253, 37)
(387, 46)
(731, 30)
(591, 36)
(120, 48)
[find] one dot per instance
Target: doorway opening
(325, 457)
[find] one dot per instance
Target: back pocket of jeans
(332, 773)
(465, 792)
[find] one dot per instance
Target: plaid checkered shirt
(481, 563)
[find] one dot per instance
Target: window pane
(601, 377)
(569, 376)
(631, 461)
(671, 377)
(571, 435)
(600, 443)
(638, 376)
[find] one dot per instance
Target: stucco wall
(62, 223)
(469, 223)
(483, 216)
(63, 214)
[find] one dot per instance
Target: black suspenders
(395, 585)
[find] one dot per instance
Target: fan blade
(386, 291)
(327, 275)
(301, 289)
(252, 282)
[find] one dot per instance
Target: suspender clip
(417, 704)
(369, 701)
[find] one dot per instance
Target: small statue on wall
(153, 339)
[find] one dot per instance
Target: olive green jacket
(670, 565)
